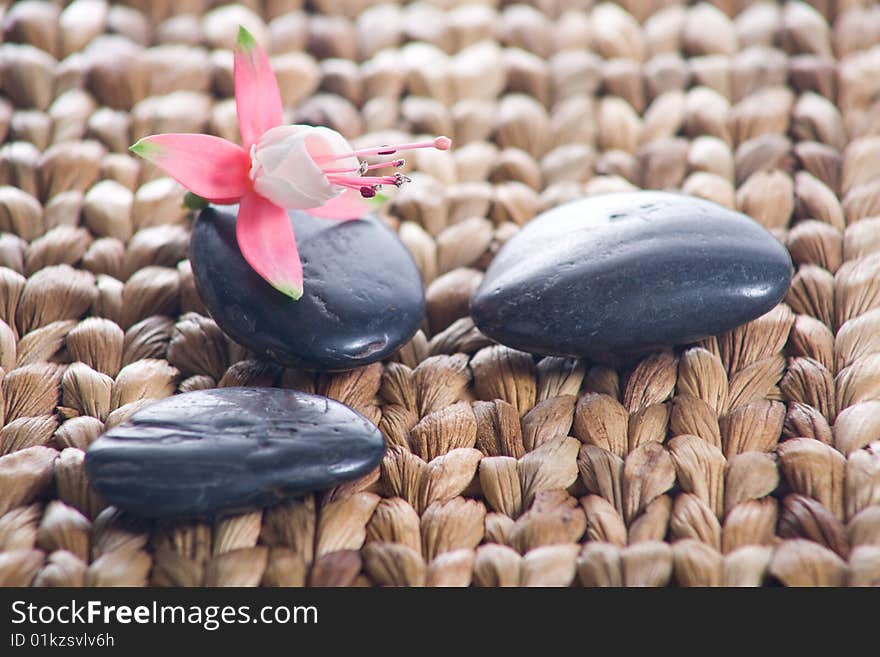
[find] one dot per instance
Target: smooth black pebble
(228, 450)
(363, 297)
(629, 272)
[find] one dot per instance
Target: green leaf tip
(246, 40)
(194, 201)
(294, 293)
(145, 149)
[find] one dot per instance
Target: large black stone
(229, 450)
(628, 272)
(363, 296)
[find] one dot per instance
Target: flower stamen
(440, 143)
(368, 185)
(364, 167)
(364, 180)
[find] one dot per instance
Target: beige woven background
(751, 458)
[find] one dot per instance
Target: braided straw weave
(751, 458)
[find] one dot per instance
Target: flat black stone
(229, 450)
(629, 272)
(363, 296)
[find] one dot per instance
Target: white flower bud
(284, 169)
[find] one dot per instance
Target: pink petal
(348, 205)
(211, 167)
(265, 237)
(257, 98)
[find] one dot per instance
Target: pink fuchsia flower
(277, 167)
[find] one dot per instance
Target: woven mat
(749, 459)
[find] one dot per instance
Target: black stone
(228, 450)
(629, 272)
(363, 296)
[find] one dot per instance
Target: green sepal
(194, 201)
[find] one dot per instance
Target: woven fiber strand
(749, 459)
